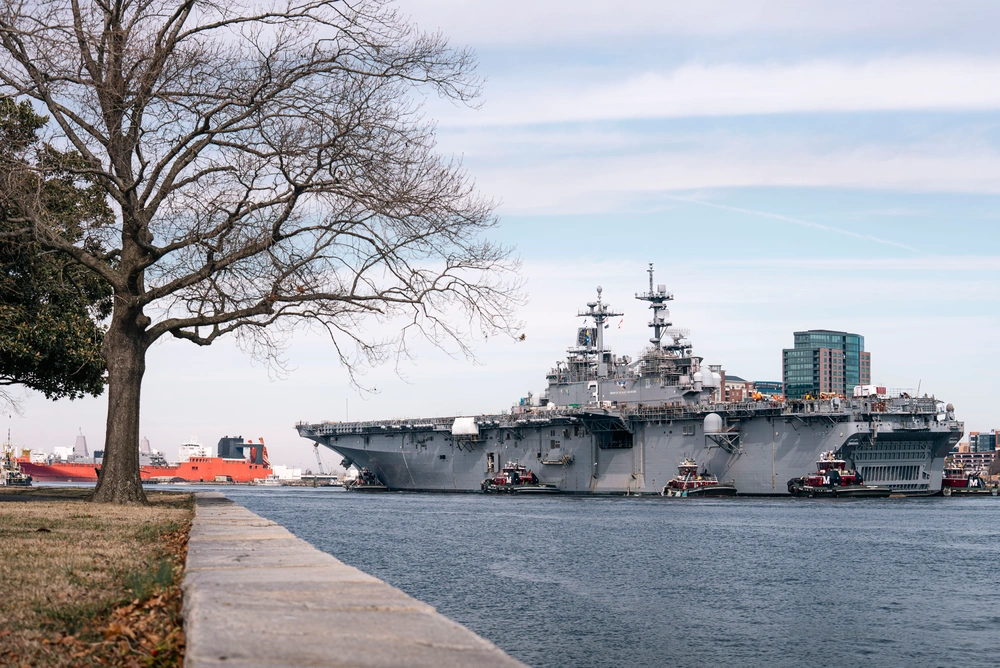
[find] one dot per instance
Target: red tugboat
(833, 478)
(688, 482)
(516, 478)
(956, 481)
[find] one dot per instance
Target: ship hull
(573, 452)
(68, 472)
(203, 469)
(207, 469)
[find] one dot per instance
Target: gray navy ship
(609, 424)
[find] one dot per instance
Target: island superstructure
(610, 424)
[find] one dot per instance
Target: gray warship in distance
(607, 424)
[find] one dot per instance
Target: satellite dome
(713, 423)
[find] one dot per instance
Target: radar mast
(657, 301)
(600, 312)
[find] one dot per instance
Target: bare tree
(270, 167)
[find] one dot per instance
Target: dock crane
(319, 460)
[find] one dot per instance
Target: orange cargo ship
(59, 471)
(232, 465)
(212, 469)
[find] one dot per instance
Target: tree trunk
(125, 354)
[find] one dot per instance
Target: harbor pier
(255, 595)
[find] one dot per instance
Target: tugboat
(956, 481)
(365, 482)
(11, 474)
(516, 478)
(688, 482)
(833, 478)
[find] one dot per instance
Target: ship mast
(600, 312)
(660, 313)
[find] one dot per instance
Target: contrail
(795, 221)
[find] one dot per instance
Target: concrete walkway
(255, 595)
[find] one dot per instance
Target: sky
(784, 164)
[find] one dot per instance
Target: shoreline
(256, 595)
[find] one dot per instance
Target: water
(584, 581)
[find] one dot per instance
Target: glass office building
(983, 442)
(825, 362)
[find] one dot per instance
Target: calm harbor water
(581, 581)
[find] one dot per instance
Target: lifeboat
(516, 479)
(956, 481)
(833, 478)
(688, 482)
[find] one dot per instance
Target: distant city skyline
(786, 166)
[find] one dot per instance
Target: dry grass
(84, 584)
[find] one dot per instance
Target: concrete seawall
(255, 595)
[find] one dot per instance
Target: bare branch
(269, 168)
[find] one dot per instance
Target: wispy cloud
(572, 21)
(531, 182)
(795, 221)
(910, 83)
(889, 212)
(923, 264)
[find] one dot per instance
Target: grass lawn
(83, 584)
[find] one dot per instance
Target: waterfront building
(736, 389)
(974, 461)
(983, 441)
(731, 388)
(769, 387)
(286, 472)
(825, 362)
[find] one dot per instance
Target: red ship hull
(198, 469)
(207, 469)
(70, 472)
